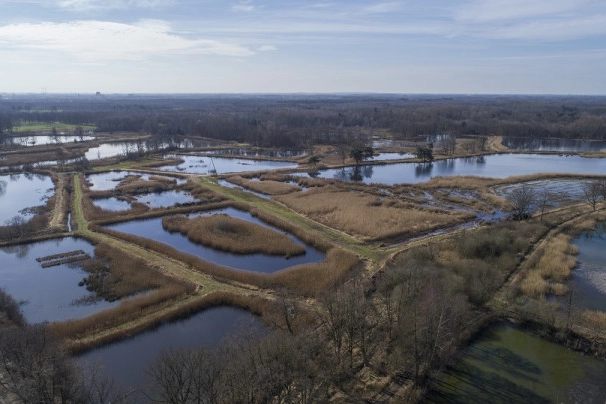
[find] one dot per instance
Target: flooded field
(127, 360)
(45, 139)
(221, 165)
(153, 200)
(19, 191)
(494, 166)
(152, 229)
(508, 365)
(111, 179)
(48, 292)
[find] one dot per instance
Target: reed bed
(313, 279)
(336, 264)
(267, 187)
(553, 266)
(369, 217)
(234, 235)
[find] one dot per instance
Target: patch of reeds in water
(226, 233)
(267, 187)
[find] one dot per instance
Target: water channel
(494, 166)
(152, 229)
(506, 364)
(51, 293)
(110, 180)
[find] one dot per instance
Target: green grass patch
(25, 127)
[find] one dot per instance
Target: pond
(508, 365)
(51, 293)
(110, 180)
(152, 229)
(557, 145)
(206, 165)
(495, 166)
(588, 280)
(19, 191)
(153, 200)
(127, 360)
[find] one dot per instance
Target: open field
(47, 127)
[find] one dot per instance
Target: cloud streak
(104, 41)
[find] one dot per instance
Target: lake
(494, 166)
(206, 165)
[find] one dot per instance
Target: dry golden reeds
(367, 216)
(267, 187)
(226, 233)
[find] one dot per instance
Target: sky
(285, 46)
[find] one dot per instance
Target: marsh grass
(267, 187)
(234, 235)
(551, 268)
(368, 216)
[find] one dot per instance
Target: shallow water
(508, 365)
(111, 179)
(19, 191)
(152, 229)
(222, 165)
(47, 294)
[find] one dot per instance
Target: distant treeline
(304, 120)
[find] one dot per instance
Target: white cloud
(101, 40)
(266, 48)
(245, 6)
(499, 10)
(555, 30)
(87, 5)
(382, 8)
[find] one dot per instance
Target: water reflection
(558, 145)
(19, 191)
(496, 166)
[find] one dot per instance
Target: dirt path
(58, 220)
(494, 144)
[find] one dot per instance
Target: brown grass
(367, 216)
(312, 279)
(267, 187)
(226, 233)
(553, 267)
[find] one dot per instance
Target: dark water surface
(508, 365)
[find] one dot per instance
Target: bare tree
(592, 192)
(522, 200)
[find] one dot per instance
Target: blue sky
(268, 46)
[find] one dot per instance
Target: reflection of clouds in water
(594, 274)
